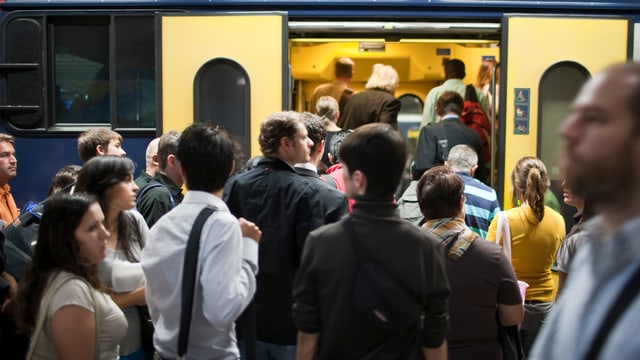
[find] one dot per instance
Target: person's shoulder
(553, 213)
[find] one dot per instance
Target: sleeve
(426, 148)
(436, 310)
(305, 311)
(229, 266)
(429, 112)
(389, 112)
(73, 292)
(491, 234)
(567, 251)
(508, 290)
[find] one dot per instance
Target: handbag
(42, 314)
(510, 341)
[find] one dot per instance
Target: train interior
(416, 50)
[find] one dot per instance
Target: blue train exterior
(134, 100)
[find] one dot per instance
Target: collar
(454, 82)
(166, 181)
(204, 198)
(454, 236)
(308, 166)
(374, 208)
(5, 189)
(449, 117)
(275, 163)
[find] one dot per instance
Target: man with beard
(597, 316)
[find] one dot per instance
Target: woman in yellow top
(536, 234)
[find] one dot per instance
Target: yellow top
(533, 248)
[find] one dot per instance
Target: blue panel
(40, 158)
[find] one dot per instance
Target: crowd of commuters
(281, 261)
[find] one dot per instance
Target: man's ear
(320, 148)
(331, 159)
(154, 159)
(99, 150)
(473, 169)
(233, 167)
(360, 181)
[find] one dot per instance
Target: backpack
(475, 118)
(378, 298)
(20, 235)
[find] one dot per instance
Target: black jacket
(428, 152)
(324, 284)
(286, 207)
(334, 202)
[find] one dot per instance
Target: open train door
(228, 69)
(546, 60)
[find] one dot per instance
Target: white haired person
(377, 103)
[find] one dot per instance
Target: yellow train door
(227, 69)
(545, 60)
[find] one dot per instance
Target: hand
(250, 229)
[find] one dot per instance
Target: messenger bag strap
(347, 224)
(628, 294)
(189, 279)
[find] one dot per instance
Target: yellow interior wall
(534, 45)
(196, 36)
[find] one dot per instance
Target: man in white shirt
(227, 259)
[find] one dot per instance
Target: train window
(558, 87)
(410, 104)
(101, 70)
(222, 97)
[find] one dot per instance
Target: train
(143, 67)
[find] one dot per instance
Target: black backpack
(377, 297)
(20, 237)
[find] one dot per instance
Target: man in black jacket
(435, 140)
(330, 325)
(286, 207)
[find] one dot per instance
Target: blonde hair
(383, 77)
(484, 73)
(327, 108)
(529, 182)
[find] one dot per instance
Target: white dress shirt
(227, 265)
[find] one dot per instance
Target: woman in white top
(110, 179)
(81, 321)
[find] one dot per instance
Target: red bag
(475, 118)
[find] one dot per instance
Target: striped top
(481, 204)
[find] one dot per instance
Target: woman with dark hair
(536, 233)
(480, 275)
(576, 236)
(110, 179)
(71, 242)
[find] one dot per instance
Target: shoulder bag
(508, 336)
(189, 279)
(42, 314)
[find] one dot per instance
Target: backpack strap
(190, 267)
(154, 185)
(628, 294)
(470, 93)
